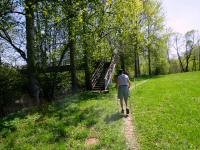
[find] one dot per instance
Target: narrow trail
(129, 128)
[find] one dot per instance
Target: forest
(50, 49)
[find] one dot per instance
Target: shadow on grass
(83, 96)
(114, 117)
(57, 118)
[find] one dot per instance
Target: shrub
(13, 84)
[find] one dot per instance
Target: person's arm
(117, 84)
(115, 79)
(129, 83)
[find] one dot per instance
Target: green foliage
(91, 31)
(174, 66)
(166, 112)
(48, 82)
(13, 85)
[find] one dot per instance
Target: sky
(182, 15)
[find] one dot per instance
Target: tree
(11, 23)
(153, 28)
(30, 46)
(128, 26)
(190, 42)
(184, 47)
(178, 46)
(83, 32)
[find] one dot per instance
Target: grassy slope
(167, 112)
(66, 125)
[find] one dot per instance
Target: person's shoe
(122, 111)
(127, 111)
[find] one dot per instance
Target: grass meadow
(167, 112)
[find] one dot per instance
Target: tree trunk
(194, 68)
(179, 57)
(33, 83)
(136, 64)
(199, 58)
(2, 113)
(149, 61)
(86, 66)
(122, 55)
(187, 60)
(86, 60)
(186, 67)
(122, 60)
(71, 45)
(148, 49)
(180, 62)
(87, 72)
(168, 59)
(136, 55)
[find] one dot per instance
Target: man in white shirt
(123, 84)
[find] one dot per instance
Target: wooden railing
(63, 63)
(108, 76)
(97, 73)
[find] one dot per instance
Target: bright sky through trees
(182, 15)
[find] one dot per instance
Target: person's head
(125, 72)
(121, 71)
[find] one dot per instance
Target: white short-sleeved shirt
(123, 79)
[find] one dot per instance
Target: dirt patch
(92, 141)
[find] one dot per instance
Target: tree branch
(7, 38)
(17, 12)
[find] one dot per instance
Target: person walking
(123, 85)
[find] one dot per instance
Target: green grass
(167, 112)
(66, 125)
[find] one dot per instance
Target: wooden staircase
(102, 76)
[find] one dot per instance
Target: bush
(52, 87)
(161, 66)
(13, 84)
